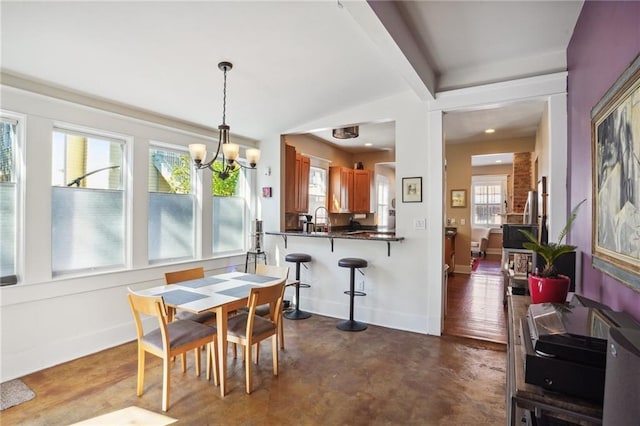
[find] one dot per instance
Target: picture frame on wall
(615, 135)
(458, 198)
(412, 190)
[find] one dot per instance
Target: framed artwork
(615, 130)
(458, 198)
(412, 190)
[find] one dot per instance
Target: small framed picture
(266, 191)
(458, 198)
(412, 190)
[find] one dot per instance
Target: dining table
(222, 294)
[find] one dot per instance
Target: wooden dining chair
(169, 340)
(263, 310)
(247, 328)
(186, 275)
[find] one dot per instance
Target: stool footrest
(355, 293)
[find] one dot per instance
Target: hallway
(474, 303)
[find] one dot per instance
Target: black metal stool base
(351, 325)
(297, 314)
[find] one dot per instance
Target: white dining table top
(209, 292)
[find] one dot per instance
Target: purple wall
(605, 42)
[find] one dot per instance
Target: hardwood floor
(474, 303)
(376, 377)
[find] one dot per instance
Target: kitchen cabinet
(349, 190)
(303, 165)
(361, 191)
(340, 189)
(296, 186)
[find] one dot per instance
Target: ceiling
(294, 62)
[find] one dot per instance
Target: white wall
(404, 289)
(48, 321)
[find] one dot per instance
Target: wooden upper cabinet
(303, 166)
(290, 193)
(361, 192)
(296, 185)
(340, 189)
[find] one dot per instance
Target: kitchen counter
(361, 234)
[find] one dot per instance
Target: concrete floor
(327, 377)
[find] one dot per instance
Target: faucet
(315, 218)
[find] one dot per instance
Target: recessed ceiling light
(368, 144)
(498, 161)
(490, 131)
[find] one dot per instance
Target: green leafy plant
(550, 252)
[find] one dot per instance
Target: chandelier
(230, 151)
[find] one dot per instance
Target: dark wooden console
(524, 400)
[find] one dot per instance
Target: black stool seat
(353, 263)
(298, 258)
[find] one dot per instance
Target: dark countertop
(362, 234)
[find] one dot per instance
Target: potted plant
(548, 285)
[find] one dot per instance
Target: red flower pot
(549, 290)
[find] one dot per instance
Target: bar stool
(353, 263)
(256, 255)
(298, 258)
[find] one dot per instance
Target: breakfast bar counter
(361, 234)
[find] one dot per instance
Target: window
(172, 203)
(230, 210)
(318, 193)
(382, 184)
(8, 198)
(88, 207)
(488, 196)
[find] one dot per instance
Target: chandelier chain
(224, 98)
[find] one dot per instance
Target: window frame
(325, 171)
(126, 185)
(486, 180)
(178, 149)
(248, 183)
(20, 121)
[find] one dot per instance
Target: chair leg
(257, 352)
(183, 357)
(166, 380)
(248, 378)
(281, 333)
(274, 349)
(197, 353)
(141, 355)
(214, 359)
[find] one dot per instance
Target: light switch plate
(463, 222)
(420, 224)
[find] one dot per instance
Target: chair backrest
(184, 275)
(152, 306)
(272, 271)
(271, 295)
(478, 233)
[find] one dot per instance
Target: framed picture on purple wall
(615, 129)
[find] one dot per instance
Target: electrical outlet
(453, 220)
(360, 285)
(463, 222)
(420, 224)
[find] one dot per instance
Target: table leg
(221, 323)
